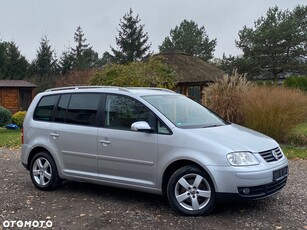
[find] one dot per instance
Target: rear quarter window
(43, 111)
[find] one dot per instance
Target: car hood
(235, 137)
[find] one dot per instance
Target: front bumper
(261, 191)
(253, 182)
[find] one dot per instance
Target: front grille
(272, 155)
(256, 192)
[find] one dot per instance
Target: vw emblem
(275, 154)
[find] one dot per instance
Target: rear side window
(82, 109)
(60, 114)
(43, 111)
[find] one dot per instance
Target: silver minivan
(148, 139)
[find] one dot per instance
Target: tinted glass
(83, 109)
(43, 111)
(121, 112)
(61, 110)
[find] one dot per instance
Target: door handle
(105, 142)
(54, 135)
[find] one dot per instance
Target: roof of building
(16, 83)
(191, 69)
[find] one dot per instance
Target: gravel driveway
(86, 206)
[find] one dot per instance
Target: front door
(125, 156)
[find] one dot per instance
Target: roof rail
(152, 88)
(85, 87)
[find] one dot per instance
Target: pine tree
(45, 62)
(276, 44)
(190, 39)
(84, 56)
(16, 64)
(131, 41)
(81, 46)
(66, 61)
(3, 48)
(106, 59)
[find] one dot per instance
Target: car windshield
(184, 112)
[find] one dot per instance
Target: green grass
(298, 135)
(294, 152)
(302, 129)
(10, 138)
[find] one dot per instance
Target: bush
(150, 73)
(18, 118)
(225, 95)
(5, 116)
(296, 82)
(273, 111)
(75, 78)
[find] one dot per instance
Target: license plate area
(280, 174)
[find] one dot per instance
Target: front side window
(184, 112)
(122, 111)
(43, 111)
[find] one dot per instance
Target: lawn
(294, 152)
(299, 138)
(10, 138)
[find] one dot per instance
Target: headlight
(242, 159)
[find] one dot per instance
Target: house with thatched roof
(16, 95)
(192, 73)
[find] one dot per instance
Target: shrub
(273, 110)
(5, 116)
(224, 96)
(299, 82)
(75, 78)
(150, 73)
(18, 118)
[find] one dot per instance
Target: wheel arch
(175, 166)
(34, 151)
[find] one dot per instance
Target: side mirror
(141, 126)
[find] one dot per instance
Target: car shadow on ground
(127, 197)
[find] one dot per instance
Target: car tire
(43, 172)
(190, 191)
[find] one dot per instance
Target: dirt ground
(86, 206)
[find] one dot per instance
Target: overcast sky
(26, 21)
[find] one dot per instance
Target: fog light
(246, 191)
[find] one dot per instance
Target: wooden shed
(192, 73)
(16, 95)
